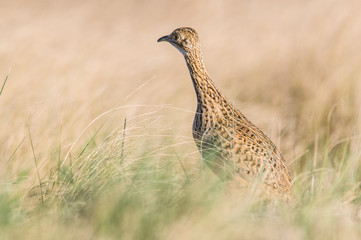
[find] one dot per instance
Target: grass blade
(91, 140)
(36, 165)
(2, 88)
(123, 142)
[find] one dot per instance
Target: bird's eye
(176, 37)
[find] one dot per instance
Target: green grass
(123, 186)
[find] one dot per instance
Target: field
(96, 116)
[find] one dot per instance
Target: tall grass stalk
(3, 86)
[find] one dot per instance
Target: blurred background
(73, 67)
(292, 67)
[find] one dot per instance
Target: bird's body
(231, 145)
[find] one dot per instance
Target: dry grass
(293, 67)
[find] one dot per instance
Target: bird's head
(184, 39)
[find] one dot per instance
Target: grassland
(95, 118)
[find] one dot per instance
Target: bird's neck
(203, 85)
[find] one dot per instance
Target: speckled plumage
(232, 146)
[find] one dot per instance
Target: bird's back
(233, 147)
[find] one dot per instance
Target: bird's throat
(203, 85)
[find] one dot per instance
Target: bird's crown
(185, 39)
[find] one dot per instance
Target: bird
(230, 144)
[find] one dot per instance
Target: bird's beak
(163, 39)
